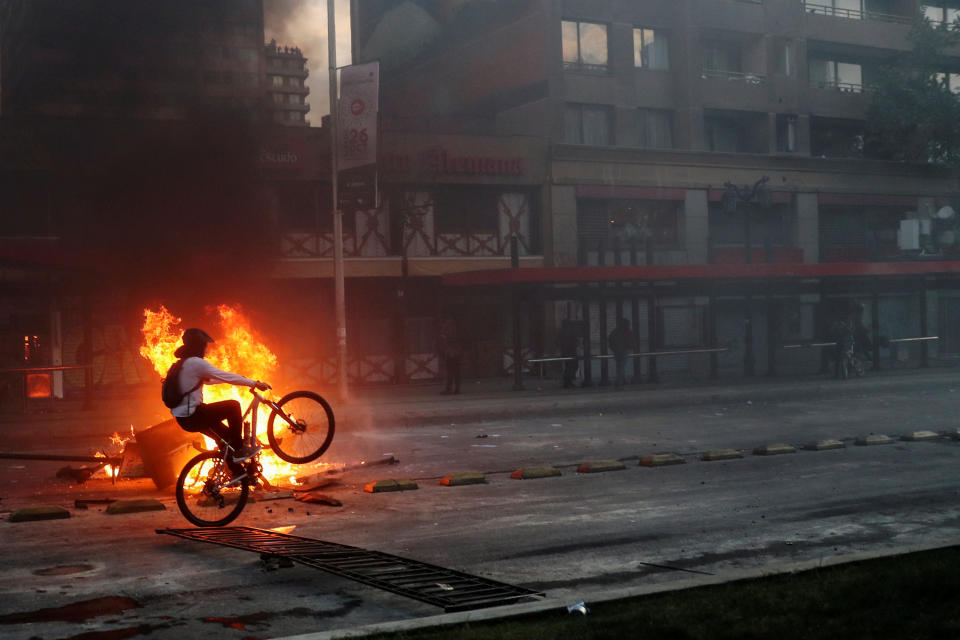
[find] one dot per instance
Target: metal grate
(446, 588)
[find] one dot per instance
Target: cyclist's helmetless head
(194, 344)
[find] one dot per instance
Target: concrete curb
(554, 604)
(923, 434)
(463, 478)
(529, 473)
(774, 449)
(599, 466)
(661, 460)
(134, 506)
(874, 439)
(721, 454)
(40, 512)
(390, 484)
(825, 445)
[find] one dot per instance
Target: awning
(764, 271)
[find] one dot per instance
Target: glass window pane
(593, 43)
(933, 13)
(952, 14)
(655, 129)
(655, 51)
(570, 50)
(954, 80)
(638, 47)
(596, 126)
(821, 71)
(848, 8)
(849, 74)
(572, 125)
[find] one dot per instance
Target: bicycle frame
(250, 428)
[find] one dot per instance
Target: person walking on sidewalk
(620, 341)
(451, 351)
(196, 416)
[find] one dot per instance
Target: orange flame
(239, 349)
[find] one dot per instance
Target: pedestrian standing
(620, 341)
(451, 350)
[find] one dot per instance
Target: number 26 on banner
(355, 140)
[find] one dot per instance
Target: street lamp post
(732, 196)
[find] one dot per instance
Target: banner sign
(358, 119)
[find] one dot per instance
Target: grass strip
(909, 596)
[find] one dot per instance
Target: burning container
(165, 448)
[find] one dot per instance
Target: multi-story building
(645, 111)
(286, 89)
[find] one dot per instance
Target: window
(294, 82)
(465, 209)
(845, 76)
(277, 98)
(650, 50)
(724, 134)
(277, 81)
(949, 81)
(588, 124)
(629, 220)
(721, 56)
(654, 129)
(832, 138)
(783, 57)
(786, 132)
(940, 13)
(584, 46)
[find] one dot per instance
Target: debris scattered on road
(578, 607)
(484, 446)
(78, 475)
(314, 497)
(482, 435)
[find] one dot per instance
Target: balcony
(735, 76)
(855, 14)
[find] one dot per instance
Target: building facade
(647, 110)
(285, 85)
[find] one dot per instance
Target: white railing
(855, 14)
(738, 76)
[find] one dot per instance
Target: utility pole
(338, 284)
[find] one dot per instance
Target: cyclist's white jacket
(197, 370)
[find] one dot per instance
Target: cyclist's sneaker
(247, 453)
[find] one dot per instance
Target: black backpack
(170, 386)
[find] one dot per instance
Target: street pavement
(575, 536)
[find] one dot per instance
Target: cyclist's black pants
(208, 420)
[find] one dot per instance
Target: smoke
(303, 23)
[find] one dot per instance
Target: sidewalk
(495, 398)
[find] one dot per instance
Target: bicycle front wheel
(202, 494)
(311, 431)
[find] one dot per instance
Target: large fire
(238, 349)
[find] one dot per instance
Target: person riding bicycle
(195, 416)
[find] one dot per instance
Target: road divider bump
(923, 434)
(951, 433)
(390, 484)
(774, 449)
(826, 445)
(661, 460)
(42, 512)
(134, 506)
(467, 477)
(721, 454)
(876, 438)
(599, 466)
(529, 473)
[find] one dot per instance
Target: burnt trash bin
(165, 448)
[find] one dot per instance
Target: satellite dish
(945, 212)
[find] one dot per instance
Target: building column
(563, 239)
(808, 226)
(696, 220)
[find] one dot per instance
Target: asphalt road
(572, 536)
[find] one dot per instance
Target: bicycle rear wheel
(311, 432)
(202, 496)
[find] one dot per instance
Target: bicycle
(299, 430)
